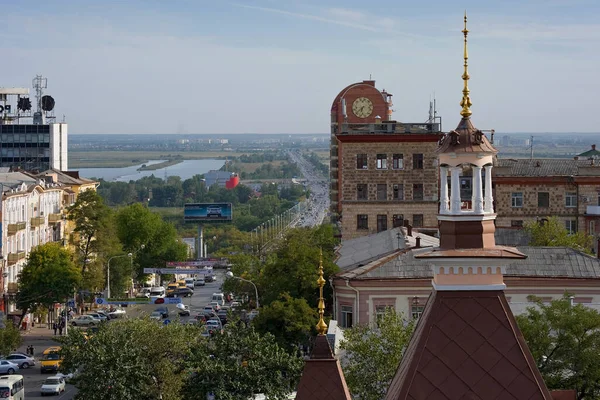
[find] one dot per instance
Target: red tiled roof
(322, 378)
(467, 142)
(467, 346)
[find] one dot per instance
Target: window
(516, 223)
(570, 199)
(543, 199)
(517, 199)
(361, 161)
(362, 221)
(398, 161)
(381, 161)
(571, 225)
(418, 191)
(398, 192)
(380, 312)
(362, 191)
(417, 161)
(381, 222)
(346, 317)
(416, 311)
(381, 191)
(592, 228)
(418, 221)
(397, 220)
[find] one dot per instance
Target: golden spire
(466, 100)
(321, 326)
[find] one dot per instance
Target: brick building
(382, 171)
(534, 189)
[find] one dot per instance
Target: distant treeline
(267, 170)
(314, 159)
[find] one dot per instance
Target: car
(234, 304)
(117, 313)
(215, 305)
(85, 320)
(208, 309)
(171, 287)
(22, 360)
(214, 324)
(156, 316)
(201, 317)
(51, 359)
(213, 212)
(53, 385)
(183, 310)
(164, 311)
(99, 316)
(181, 292)
(102, 312)
(199, 282)
(222, 314)
(190, 283)
(144, 292)
(8, 367)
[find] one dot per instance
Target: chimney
(593, 147)
(418, 242)
(409, 230)
(377, 119)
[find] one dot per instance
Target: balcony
(16, 227)
(37, 221)
(390, 127)
(54, 218)
(13, 288)
(14, 257)
(593, 210)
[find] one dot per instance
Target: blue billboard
(207, 212)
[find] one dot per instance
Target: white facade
(58, 146)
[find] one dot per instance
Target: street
(318, 202)
(42, 337)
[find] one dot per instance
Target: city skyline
(275, 67)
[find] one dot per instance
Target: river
(184, 170)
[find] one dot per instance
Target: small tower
(322, 377)
(464, 148)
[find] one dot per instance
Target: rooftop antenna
(39, 84)
(370, 77)
(531, 147)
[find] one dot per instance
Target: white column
(455, 190)
(444, 190)
(489, 199)
(477, 197)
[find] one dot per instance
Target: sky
(275, 66)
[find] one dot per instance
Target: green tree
(564, 340)
(373, 354)
(49, 277)
(90, 214)
(131, 359)
(240, 363)
(552, 232)
(291, 321)
(10, 338)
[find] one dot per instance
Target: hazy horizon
(270, 66)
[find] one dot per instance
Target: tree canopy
(564, 340)
(551, 232)
(49, 277)
(373, 354)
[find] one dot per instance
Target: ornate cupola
(466, 223)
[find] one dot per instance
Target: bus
(12, 387)
(51, 359)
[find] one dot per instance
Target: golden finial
(466, 100)
(321, 326)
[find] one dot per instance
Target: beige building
(531, 190)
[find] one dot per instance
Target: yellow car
(181, 283)
(51, 359)
(172, 287)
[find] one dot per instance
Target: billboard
(189, 271)
(101, 301)
(207, 212)
(205, 262)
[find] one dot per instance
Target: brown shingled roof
(467, 346)
(322, 378)
(467, 142)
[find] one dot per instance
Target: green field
(117, 159)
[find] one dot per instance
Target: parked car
(181, 292)
(164, 311)
(22, 360)
(199, 282)
(214, 324)
(99, 316)
(156, 315)
(144, 292)
(53, 385)
(117, 313)
(189, 282)
(8, 367)
(85, 320)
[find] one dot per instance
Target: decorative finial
(321, 326)
(466, 100)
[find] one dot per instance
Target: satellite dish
(24, 104)
(47, 103)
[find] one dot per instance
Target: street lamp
(230, 274)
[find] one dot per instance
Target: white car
(8, 367)
(119, 312)
(53, 385)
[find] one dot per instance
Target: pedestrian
(55, 327)
(32, 350)
(60, 328)
(28, 350)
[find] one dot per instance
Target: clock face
(362, 107)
